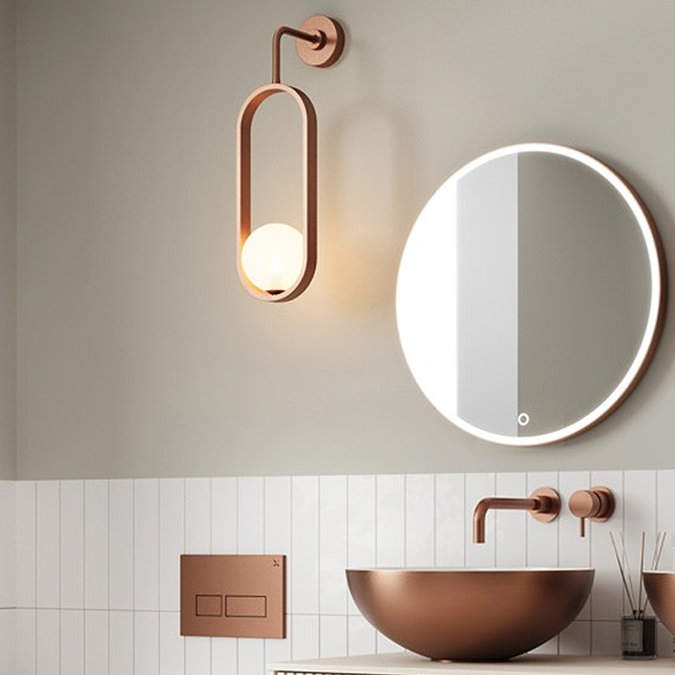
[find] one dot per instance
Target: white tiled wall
(95, 587)
(7, 576)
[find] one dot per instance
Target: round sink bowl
(660, 587)
(470, 615)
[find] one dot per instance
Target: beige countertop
(410, 664)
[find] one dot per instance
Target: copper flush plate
(233, 595)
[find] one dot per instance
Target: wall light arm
(315, 39)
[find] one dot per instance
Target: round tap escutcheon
(596, 503)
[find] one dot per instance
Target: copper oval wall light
(276, 262)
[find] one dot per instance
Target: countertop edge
(410, 664)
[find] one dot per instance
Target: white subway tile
(26, 540)
(48, 545)
(96, 540)
(304, 562)
(224, 515)
(549, 647)
(542, 537)
(8, 621)
(450, 521)
(197, 516)
(121, 632)
(171, 657)
(606, 637)
(146, 643)
(511, 526)
(197, 652)
(361, 636)
(361, 521)
(666, 515)
(385, 645)
(639, 512)
(251, 654)
(420, 517)
(171, 541)
(278, 650)
(224, 655)
(121, 545)
(8, 545)
(250, 515)
(278, 515)
(332, 545)
(665, 642)
(607, 593)
(96, 646)
(72, 544)
(146, 544)
(479, 485)
(304, 637)
(26, 641)
(332, 636)
(72, 642)
(48, 652)
(390, 513)
(575, 640)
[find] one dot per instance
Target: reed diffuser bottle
(638, 630)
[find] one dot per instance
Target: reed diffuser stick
(628, 573)
(622, 572)
(656, 558)
(642, 569)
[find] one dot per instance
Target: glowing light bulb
(272, 257)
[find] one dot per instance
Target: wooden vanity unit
(410, 664)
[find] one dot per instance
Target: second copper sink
(660, 587)
(470, 615)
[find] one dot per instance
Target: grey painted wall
(138, 351)
(7, 240)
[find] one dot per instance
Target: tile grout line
(134, 484)
(159, 576)
(84, 575)
(35, 598)
(183, 548)
(211, 551)
(318, 566)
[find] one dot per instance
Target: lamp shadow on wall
(367, 203)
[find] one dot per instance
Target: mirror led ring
(656, 305)
(309, 181)
(655, 316)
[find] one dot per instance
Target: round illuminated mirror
(530, 294)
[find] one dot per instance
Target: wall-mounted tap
(543, 504)
(596, 504)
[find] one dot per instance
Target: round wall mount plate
(326, 52)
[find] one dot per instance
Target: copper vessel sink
(470, 615)
(660, 587)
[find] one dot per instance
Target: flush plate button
(209, 605)
(233, 595)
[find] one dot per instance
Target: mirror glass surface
(530, 294)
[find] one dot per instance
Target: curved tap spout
(543, 504)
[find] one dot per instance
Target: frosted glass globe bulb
(272, 257)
